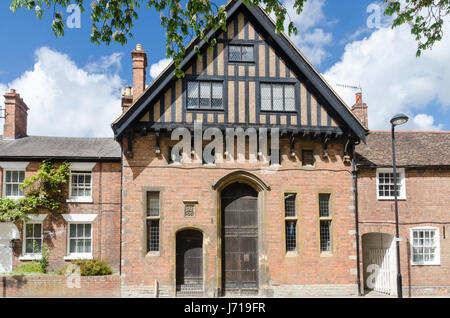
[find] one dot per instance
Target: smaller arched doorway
(379, 263)
(189, 263)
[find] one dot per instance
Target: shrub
(28, 268)
(43, 262)
(93, 267)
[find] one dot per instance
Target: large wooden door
(189, 260)
(240, 239)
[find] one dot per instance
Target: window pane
(73, 246)
(29, 246)
(291, 242)
(21, 176)
(325, 236)
(289, 205)
(192, 100)
(153, 235)
(205, 94)
(80, 230)
(37, 230)
(87, 230)
(15, 176)
(217, 95)
(247, 53)
(87, 246)
(266, 97)
(277, 97)
(289, 97)
(324, 205)
(153, 203)
(8, 176)
(8, 190)
(235, 53)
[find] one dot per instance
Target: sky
(73, 87)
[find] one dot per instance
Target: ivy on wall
(44, 190)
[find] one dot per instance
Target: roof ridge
(413, 131)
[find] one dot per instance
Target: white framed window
(385, 184)
(79, 235)
(80, 186)
(13, 177)
(278, 97)
(425, 246)
(32, 237)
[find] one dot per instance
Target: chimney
(139, 58)
(360, 110)
(15, 116)
(127, 98)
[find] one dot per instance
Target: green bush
(92, 267)
(28, 268)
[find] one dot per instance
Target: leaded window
(278, 97)
(204, 95)
(153, 221)
(290, 214)
(240, 53)
(13, 181)
(325, 222)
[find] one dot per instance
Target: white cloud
(66, 100)
(311, 38)
(392, 78)
(158, 67)
(111, 62)
(425, 122)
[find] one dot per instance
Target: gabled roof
(413, 148)
(62, 148)
(298, 63)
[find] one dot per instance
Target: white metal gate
(5, 257)
(384, 280)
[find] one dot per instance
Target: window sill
(153, 254)
(80, 200)
(425, 264)
(391, 199)
(79, 256)
(326, 254)
(291, 254)
(14, 198)
(30, 257)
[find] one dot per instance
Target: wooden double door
(239, 205)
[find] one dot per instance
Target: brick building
(90, 225)
(269, 210)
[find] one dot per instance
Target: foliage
(44, 190)
(424, 16)
(28, 268)
(43, 262)
(92, 267)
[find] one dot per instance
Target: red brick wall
(57, 286)
(145, 170)
(105, 228)
(427, 204)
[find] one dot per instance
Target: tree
(112, 20)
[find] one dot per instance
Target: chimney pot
(139, 47)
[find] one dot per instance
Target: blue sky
(72, 77)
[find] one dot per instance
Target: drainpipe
(120, 200)
(355, 198)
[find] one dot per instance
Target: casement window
(81, 182)
(385, 184)
(290, 215)
(277, 97)
(425, 246)
(153, 221)
(325, 223)
(307, 158)
(12, 181)
(33, 238)
(204, 95)
(240, 53)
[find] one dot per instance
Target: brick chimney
(15, 116)
(127, 98)
(360, 110)
(139, 58)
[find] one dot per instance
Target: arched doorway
(239, 214)
(189, 263)
(379, 263)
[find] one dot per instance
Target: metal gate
(384, 280)
(240, 239)
(189, 262)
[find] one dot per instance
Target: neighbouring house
(89, 227)
(423, 190)
(249, 176)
